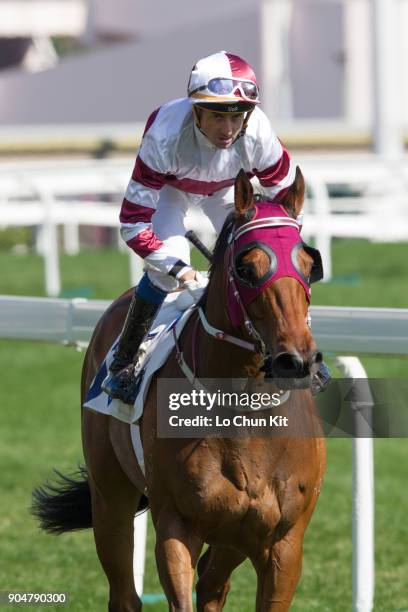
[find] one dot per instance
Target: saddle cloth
(159, 344)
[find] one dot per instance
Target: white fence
(88, 192)
(371, 331)
(367, 331)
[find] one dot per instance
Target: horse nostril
(288, 365)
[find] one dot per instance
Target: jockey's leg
(168, 225)
(143, 308)
(218, 207)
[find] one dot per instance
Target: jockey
(191, 151)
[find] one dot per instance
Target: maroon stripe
(146, 176)
(199, 187)
(135, 213)
(145, 243)
(150, 120)
(240, 69)
(275, 174)
(156, 180)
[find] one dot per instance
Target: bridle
(257, 345)
(230, 255)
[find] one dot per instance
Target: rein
(189, 373)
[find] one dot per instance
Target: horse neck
(218, 358)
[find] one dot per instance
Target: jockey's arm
(139, 204)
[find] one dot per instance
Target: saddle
(158, 345)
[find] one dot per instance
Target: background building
(314, 58)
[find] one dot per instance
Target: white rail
(371, 331)
(359, 331)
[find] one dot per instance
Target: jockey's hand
(187, 276)
(195, 283)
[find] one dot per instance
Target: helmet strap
(245, 124)
(196, 117)
(197, 120)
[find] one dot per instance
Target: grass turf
(40, 429)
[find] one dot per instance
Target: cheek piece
(281, 244)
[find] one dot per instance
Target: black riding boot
(120, 382)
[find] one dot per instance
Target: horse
(244, 496)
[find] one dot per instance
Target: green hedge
(13, 236)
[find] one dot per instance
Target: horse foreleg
(214, 571)
(278, 570)
(177, 552)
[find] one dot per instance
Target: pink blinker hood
(284, 242)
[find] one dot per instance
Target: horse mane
(219, 247)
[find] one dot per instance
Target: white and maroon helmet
(224, 81)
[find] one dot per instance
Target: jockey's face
(221, 129)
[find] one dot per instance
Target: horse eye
(247, 272)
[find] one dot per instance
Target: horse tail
(66, 504)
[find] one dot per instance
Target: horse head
(265, 279)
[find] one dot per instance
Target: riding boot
(120, 383)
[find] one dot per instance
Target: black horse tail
(66, 504)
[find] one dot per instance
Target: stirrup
(121, 385)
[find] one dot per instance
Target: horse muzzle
(290, 370)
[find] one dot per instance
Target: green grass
(40, 429)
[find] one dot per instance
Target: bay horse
(246, 497)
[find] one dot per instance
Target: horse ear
(244, 193)
(295, 195)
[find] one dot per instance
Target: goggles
(224, 87)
